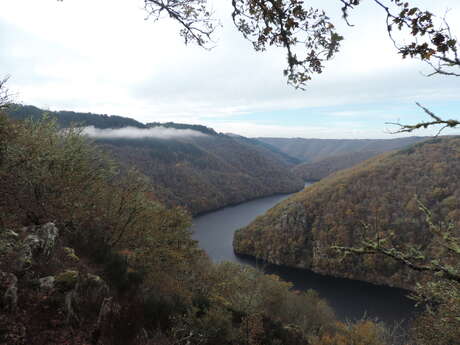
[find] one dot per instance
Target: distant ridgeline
(384, 193)
(324, 167)
(322, 157)
(314, 150)
(192, 166)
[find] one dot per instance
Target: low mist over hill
(188, 165)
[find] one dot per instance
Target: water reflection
(350, 299)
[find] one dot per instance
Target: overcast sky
(104, 57)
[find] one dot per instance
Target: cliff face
(381, 196)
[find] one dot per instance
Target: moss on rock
(67, 280)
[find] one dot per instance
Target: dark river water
(350, 299)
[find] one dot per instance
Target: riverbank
(351, 299)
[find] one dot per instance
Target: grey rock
(10, 297)
(92, 289)
(23, 259)
(47, 235)
(109, 310)
(43, 239)
(70, 301)
(41, 242)
(11, 234)
(33, 242)
(9, 240)
(47, 283)
(142, 336)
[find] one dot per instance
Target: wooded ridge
(199, 172)
(379, 196)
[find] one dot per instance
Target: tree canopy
(310, 38)
(308, 35)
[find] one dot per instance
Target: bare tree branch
(412, 257)
(425, 124)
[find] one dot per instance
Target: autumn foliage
(157, 286)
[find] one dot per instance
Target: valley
(381, 197)
(244, 172)
(350, 299)
(251, 206)
(196, 168)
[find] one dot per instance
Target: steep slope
(381, 193)
(284, 157)
(205, 173)
(312, 150)
(320, 169)
(192, 166)
(86, 257)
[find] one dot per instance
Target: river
(350, 299)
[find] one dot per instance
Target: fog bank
(159, 132)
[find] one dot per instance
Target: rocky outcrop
(91, 289)
(21, 249)
(39, 242)
(82, 291)
(67, 280)
(46, 283)
(69, 307)
(109, 310)
(10, 297)
(47, 235)
(109, 314)
(26, 254)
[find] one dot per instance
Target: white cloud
(159, 132)
(102, 56)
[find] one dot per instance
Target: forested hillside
(87, 257)
(383, 196)
(321, 168)
(205, 173)
(313, 150)
(199, 172)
